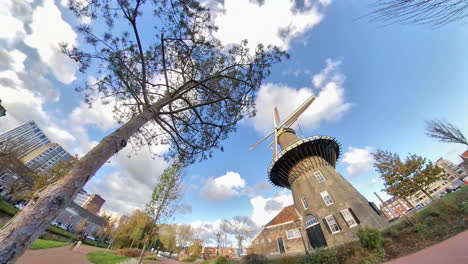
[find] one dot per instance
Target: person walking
(81, 238)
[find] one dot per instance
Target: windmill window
(304, 202)
(348, 217)
(326, 198)
(293, 233)
(332, 224)
(319, 176)
(311, 222)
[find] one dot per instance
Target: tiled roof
(464, 155)
(287, 214)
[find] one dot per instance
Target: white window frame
(332, 224)
(326, 198)
(311, 222)
(349, 218)
(293, 233)
(304, 202)
(319, 176)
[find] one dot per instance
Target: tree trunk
(142, 251)
(133, 240)
(30, 223)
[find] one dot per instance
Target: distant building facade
(74, 214)
(394, 208)
(462, 168)
(94, 203)
(81, 197)
(449, 179)
(29, 137)
(45, 157)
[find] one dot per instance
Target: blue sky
(376, 85)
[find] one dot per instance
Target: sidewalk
(453, 250)
(58, 255)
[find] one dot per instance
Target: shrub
(371, 239)
(325, 256)
(186, 258)
(353, 253)
(289, 260)
(221, 260)
(129, 252)
(254, 259)
(150, 258)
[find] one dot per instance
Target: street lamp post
(298, 225)
(2, 110)
(217, 250)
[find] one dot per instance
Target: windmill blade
(295, 115)
(265, 138)
(276, 117)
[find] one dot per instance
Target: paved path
(453, 250)
(58, 255)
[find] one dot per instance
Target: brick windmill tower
(332, 210)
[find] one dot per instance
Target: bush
(186, 258)
(150, 258)
(254, 259)
(353, 253)
(325, 256)
(129, 252)
(221, 260)
(371, 239)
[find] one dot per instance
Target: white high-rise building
(26, 137)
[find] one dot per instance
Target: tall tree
(168, 237)
(184, 236)
(421, 12)
(164, 200)
(242, 227)
(403, 179)
(445, 132)
(179, 86)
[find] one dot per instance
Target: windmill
(287, 123)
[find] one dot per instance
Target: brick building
(94, 203)
(394, 208)
(74, 214)
(280, 235)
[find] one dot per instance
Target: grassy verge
(41, 244)
(101, 257)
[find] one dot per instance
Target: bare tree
(242, 227)
(421, 12)
(179, 86)
(445, 132)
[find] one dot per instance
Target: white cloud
(275, 22)
(330, 103)
(358, 160)
(223, 187)
(264, 209)
(48, 29)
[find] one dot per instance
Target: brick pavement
(58, 255)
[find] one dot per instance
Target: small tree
(81, 226)
(184, 235)
(445, 132)
(403, 179)
(167, 235)
(165, 198)
(195, 248)
(242, 227)
(175, 84)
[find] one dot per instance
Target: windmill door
(281, 245)
(315, 235)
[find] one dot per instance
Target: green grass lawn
(41, 244)
(101, 257)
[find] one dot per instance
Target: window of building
(269, 240)
(332, 224)
(293, 233)
(348, 217)
(311, 221)
(326, 198)
(319, 176)
(304, 202)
